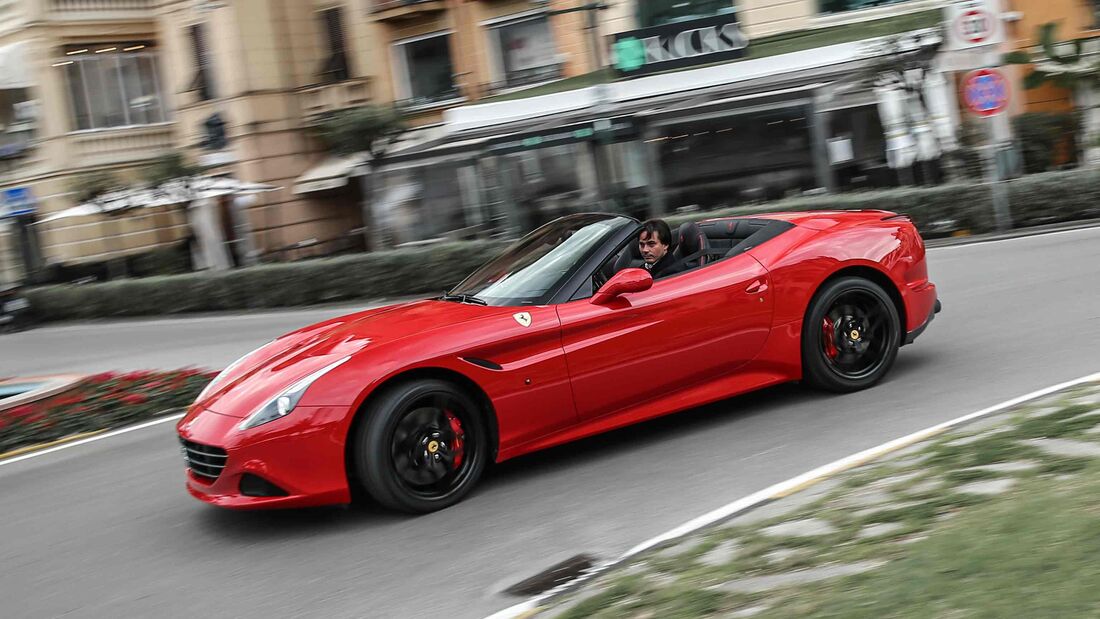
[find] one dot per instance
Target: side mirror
(623, 282)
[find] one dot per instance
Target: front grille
(205, 461)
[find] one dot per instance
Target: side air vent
(484, 363)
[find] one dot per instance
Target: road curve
(106, 529)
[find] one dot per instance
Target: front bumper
(301, 454)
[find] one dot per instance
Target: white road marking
(92, 439)
(782, 489)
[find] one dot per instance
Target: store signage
(16, 201)
(973, 23)
(607, 128)
(679, 45)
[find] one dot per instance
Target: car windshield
(532, 269)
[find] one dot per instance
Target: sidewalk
(996, 518)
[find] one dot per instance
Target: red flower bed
(103, 401)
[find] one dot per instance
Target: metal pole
(1002, 215)
(819, 143)
(371, 233)
(655, 182)
(592, 26)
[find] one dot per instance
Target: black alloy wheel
(851, 335)
(421, 446)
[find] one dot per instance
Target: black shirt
(667, 265)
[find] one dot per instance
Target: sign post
(986, 92)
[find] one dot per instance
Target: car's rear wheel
(851, 335)
(421, 446)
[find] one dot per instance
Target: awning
(332, 173)
(177, 191)
(15, 74)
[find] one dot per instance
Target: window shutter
(336, 66)
(201, 82)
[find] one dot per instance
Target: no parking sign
(985, 92)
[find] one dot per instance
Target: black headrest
(731, 228)
(690, 240)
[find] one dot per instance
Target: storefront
(713, 136)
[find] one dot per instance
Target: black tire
(866, 333)
(404, 448)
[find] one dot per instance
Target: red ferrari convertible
(562, 336)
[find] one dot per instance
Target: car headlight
(221, 376)
(281, 405)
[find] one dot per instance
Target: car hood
(271, 369)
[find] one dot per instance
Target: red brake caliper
(828, 337)
(459, 447)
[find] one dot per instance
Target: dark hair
(658, 227)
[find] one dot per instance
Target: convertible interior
(698, 244)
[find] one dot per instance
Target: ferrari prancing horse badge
(523, 318)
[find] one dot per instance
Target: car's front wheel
(420, 446)
(851, 335)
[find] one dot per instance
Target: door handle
(757, 286)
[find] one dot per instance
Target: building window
(424, 65)
(114, 85)
(841, 6)
(525, 51)
(203, 81)
(335, 67)
(660, 12)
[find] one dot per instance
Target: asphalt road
(106, 529)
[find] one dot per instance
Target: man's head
(654, 240)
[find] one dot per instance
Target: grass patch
(1069, 420)
(1032, 556)
(1063, 466)
(1001, 447)
(968, 475)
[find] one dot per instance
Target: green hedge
(360, 276)
(1034, 200)
(937, 211)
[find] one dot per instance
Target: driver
(654, 241)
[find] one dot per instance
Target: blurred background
(155, 137)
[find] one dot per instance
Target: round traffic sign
(986, 92)
(974, 26)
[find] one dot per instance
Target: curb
(37, 447)
(1017, 233)
(783, 489)
(30, 451)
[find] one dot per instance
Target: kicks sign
(679, 45)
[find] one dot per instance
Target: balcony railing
(405, 9)
(84, 10)
(316, 100)
(126, 144)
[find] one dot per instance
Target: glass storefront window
(841, 6)
(526, 52)
(548, 183)
(721, 162)
(113, 89)
(426, 68)
(660, 12)
(421, 204)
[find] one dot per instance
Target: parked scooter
(15, 309)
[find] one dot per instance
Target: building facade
(93, 92)
(520, 110)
